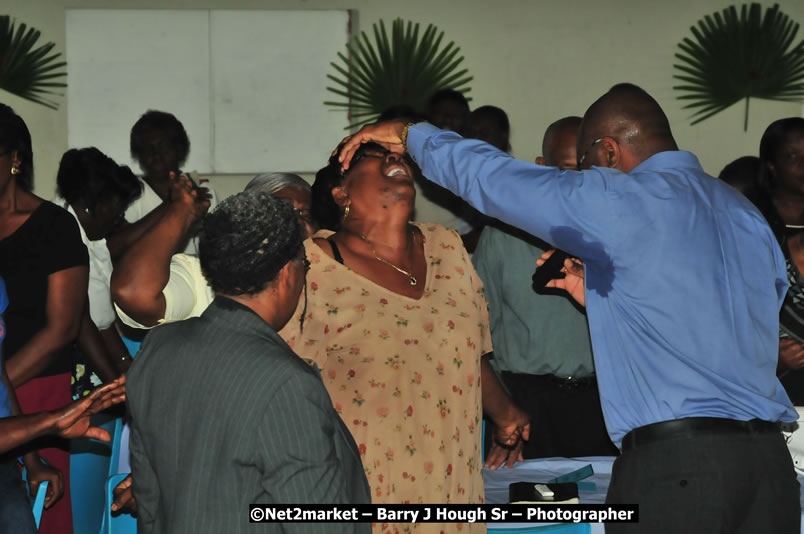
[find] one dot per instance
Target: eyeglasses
(369, 153)
(583, 156)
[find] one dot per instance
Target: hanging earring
(346, 211)
(15, 170)
(86, 210)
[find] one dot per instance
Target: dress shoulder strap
(336, 253)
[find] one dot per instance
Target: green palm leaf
(403, 68)
(733, 56)
(26, 71)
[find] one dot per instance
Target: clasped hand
(184, 192)
(509, 438)
(573, 282)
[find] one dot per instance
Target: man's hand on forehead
(387, 134)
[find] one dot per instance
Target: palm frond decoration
(403, 69)
(25, 71)
(740, 56)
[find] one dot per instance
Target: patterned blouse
(404, 374)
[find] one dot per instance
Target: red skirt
(50, 393)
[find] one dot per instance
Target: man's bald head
(633, 120)
(558, 145)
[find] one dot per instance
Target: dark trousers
(15, 508)
(565, 416)
(716, 483)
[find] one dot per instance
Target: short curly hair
(89, 175)
(162, 121)
(246, 241)
(15, 137)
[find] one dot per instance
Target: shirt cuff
(417, 137)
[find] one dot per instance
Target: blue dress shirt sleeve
(579, 215)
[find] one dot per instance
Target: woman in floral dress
(396, 321)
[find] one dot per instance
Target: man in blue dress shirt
(683, 284)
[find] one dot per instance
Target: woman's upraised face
(378, 179)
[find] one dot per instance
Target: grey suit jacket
(223, 415)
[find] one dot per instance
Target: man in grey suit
(223, 413)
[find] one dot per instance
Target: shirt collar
(240, 317)
(670, 159)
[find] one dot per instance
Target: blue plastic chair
(96, 461)
(39, 501)
(90, 464)
(123, 523)
(114, 459)
(113, 463)
(132, 346)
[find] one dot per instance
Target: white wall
(539, 60)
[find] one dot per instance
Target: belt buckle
(574, 383)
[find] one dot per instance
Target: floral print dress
(404, 374)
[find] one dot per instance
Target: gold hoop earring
(346, 211)
(15, 170)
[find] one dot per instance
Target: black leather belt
(692, 427)
(569, 383)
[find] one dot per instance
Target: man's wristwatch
(405, 133)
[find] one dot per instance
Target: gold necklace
(411, 278)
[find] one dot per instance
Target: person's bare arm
(94, 349)
(38, 471)
(71, 421)
(66, 300)
(116, 348)
(129, 233)
(512, 425)
(791, 355)
(144, 270)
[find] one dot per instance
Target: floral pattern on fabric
(404, 374)
(82, 379)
